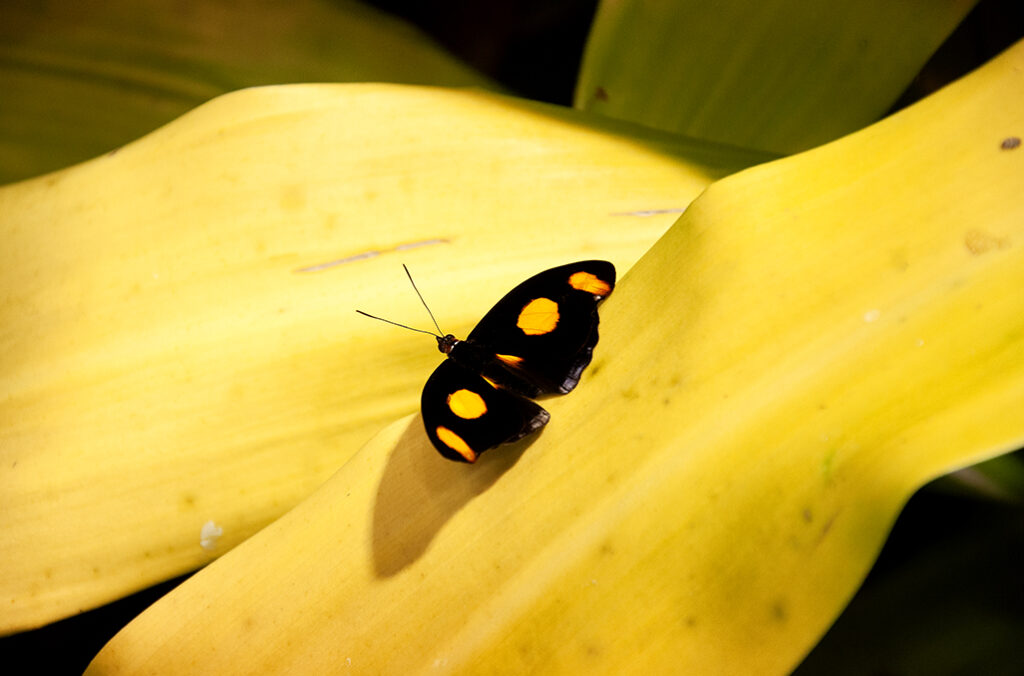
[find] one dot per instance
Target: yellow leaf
(782, 75)
(80, 79)
(180, 340)
(814, 339)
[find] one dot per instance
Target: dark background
(946, 595)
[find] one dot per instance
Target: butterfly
(536, 340)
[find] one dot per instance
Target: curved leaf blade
(814, 339)
(179, 337)
(82, 79)
(782, 76)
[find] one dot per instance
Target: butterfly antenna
(429, 333)
(421, 299)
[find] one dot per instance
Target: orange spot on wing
(538, 317)
(466, 404)
(510, 359)
(456, 443)
(584, 281)
(491, 382)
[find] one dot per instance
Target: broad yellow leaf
(808, 344)
(182, 360)
(82, 78)
(782, 75)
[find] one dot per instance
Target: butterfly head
(446, 343)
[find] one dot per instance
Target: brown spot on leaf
(600, 94)
(979, 242)
(825, 528)
(1010, 142)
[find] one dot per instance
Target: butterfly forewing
(545, 329)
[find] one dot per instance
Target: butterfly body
(536, 340)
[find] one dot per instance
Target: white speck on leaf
(209, 534)
(872, 315)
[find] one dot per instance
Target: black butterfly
(536, 340)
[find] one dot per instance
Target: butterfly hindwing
(544, 330)
(465, 415)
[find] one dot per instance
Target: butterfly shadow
(419, 491)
